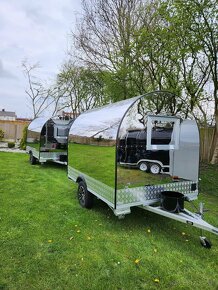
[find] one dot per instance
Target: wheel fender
(81, 178)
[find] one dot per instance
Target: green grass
(47, 241)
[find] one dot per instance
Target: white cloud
(36, 30)
(4, 73)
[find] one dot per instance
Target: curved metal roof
(105, 121)
(37, 124)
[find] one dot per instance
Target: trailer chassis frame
(185, 216)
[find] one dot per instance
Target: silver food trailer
(47, 139)
(95, 161)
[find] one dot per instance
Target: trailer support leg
(206, 243)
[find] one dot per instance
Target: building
(7, 116)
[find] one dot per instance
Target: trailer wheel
(84, 196)
(143, 166)
(205, 242)
(32, 159)
(155, 168)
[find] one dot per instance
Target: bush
(2, 134)
(11, 144)
(23, 139)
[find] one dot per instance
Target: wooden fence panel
(13, 130)
(206, 138)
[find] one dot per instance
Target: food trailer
(47, 140)
(132, 150)
(95, 160)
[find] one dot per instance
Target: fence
(206, 136)
(13, 130)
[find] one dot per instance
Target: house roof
(4, 113)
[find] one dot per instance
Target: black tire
(155, 168)
(205, 243)
(84, 196)
(32, 159)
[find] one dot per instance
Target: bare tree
(41, 97)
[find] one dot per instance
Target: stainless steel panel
(119, 132)
(184, 162)
(101, 122)
(144, 187)
(48, 135)
(92, 147)
(37, 124)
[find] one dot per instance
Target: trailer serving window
(162, 124)
(61, 132)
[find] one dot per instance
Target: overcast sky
(37, 31)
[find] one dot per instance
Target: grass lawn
(47, 241)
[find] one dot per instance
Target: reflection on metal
(33, 150)
(96, 187)
(185, 161)
(174, 122)
(101, 122)
(47, 139)
(108, 146)
(133, 148)
(54, 156)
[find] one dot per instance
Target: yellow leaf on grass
(137, 261)
(49, 241)
(156, 280)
